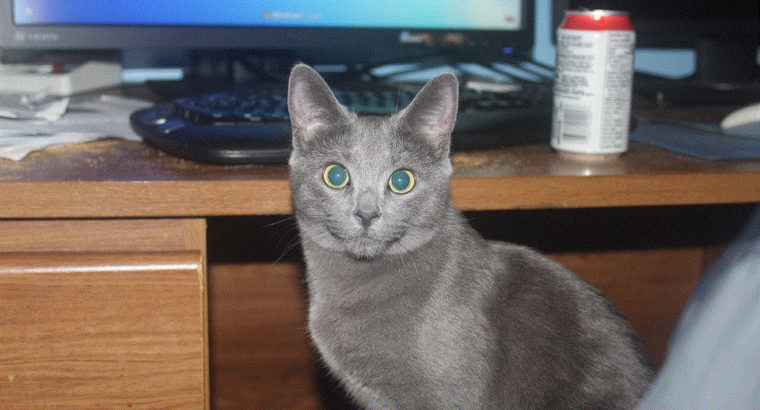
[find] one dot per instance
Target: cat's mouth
(364, 246)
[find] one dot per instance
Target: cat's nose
(366, 217)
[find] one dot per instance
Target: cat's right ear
(432, 113)
(312, 106)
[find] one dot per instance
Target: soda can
(592, 89)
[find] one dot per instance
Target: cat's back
(560, 334)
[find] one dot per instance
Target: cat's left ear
(432, 113)
(312, 106)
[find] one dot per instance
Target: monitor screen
(304, 13)
(199, 24)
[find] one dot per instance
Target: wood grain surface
(126, 179)
(135, 289)
(110, 235)
(260, 348)
(102, 330)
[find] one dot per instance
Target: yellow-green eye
(402, 181)
(335, 176)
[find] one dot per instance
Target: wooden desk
(114, 179)
(103, 264)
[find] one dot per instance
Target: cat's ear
(312, 106)
(432, 113)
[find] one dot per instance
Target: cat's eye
(402, 181)
(335, 176)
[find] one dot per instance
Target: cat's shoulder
(524, 268)
(523, 258)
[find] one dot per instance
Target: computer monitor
(724, 36)
(334, 27)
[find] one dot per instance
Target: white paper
(31, 106)
(86, 119)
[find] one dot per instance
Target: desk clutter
(63, 121)
(31, 122)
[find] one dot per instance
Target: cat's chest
(371, 320)
(377, 346)
(362, 330)
(401, 350)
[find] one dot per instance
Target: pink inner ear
(432, 124)
(438, 118)
(305, 113)
(313, 123)
(311, 104)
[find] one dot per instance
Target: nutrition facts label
(592, 92)
(618, 80)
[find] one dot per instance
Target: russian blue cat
(409, 307)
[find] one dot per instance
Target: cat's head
(370, 186)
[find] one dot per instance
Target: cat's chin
(361, 245)
(365, 249)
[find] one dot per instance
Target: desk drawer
(95, 330)
(101, 313)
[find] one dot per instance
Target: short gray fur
(414, 309)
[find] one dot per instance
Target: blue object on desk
(704, 141)
(714, 354)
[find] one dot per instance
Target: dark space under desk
(642, 227)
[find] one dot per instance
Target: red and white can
(592, 89)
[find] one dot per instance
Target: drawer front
(103, 329)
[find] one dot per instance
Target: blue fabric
(703, 141)
(713, 360)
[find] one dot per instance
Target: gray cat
(408, 306)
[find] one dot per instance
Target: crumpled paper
(86, 119)
(31, 106)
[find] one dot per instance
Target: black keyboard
(250, 125)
